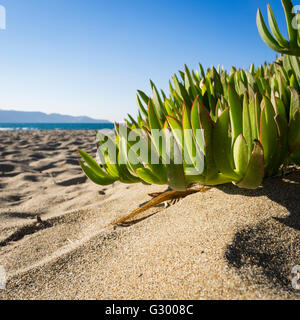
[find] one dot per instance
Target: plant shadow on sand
(270, 249)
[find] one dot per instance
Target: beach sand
(225, 243)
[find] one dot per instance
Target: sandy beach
(56, 241)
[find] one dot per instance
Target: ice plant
(214, 127)
(275, 40)
(241, 141)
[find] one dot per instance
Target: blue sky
(88, 57)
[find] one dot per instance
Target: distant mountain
(11, 116)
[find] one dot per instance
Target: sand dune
(226, 243)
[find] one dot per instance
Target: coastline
(54, 126)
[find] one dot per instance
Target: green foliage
(274, 39)
(242, 126)
(248, 121)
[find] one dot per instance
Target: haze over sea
(55, 126)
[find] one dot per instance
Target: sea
(55, 126)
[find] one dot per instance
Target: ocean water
(55, 126)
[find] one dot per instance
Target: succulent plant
(275, 40)
(213, 128)
(238, 139)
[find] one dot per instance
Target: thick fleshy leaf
(107, 145)
(156, 127)
(268, 131)
(296, 157)
(176, 130)
(247, 130)
(201, 70)
(131, 160)
(169, 107)
(235, 110)
(133, 121)
(157, 102)
(126, 176)
(111, 168)
(193, 150)
(222, 145)
(175, 170)
(142, 146)
(293, 82)
(283, 92)
(282, 144)
(154, 120)
(254, 112)
(255, 171)
(196, 126)
(265, 33)
(289, 15)
(185, 142)
(294, 132)
(146, 175)
(141, 107)
(295, 102)
(207, 126)
(189, 84)
(181, 92)
(240, 155)
(295, 64)
(274, 28)
(101, 180)
(281, 110)
(94, 166)
(144, 97)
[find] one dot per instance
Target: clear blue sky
(88, 57)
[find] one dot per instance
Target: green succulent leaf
(255, 171)
(196, 125)
(126, 176)
(282, 144)
(94, 166)
(295, 66)
(111, 168)
(177, 131)
(254, 111)
(147, 176)
(175, 170)
(274, 28)
(240, 155)
(207, 126)
(154, 120)
(247, 129)
(265, 33)
(288, 10)
(189, 141)
(236, 111)
(144, 97)
(222, 145)
(101, 180)
(268, 130)
(295, 102)
(294, 132)
(157, 102)
(141, 107)
(295, 156)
